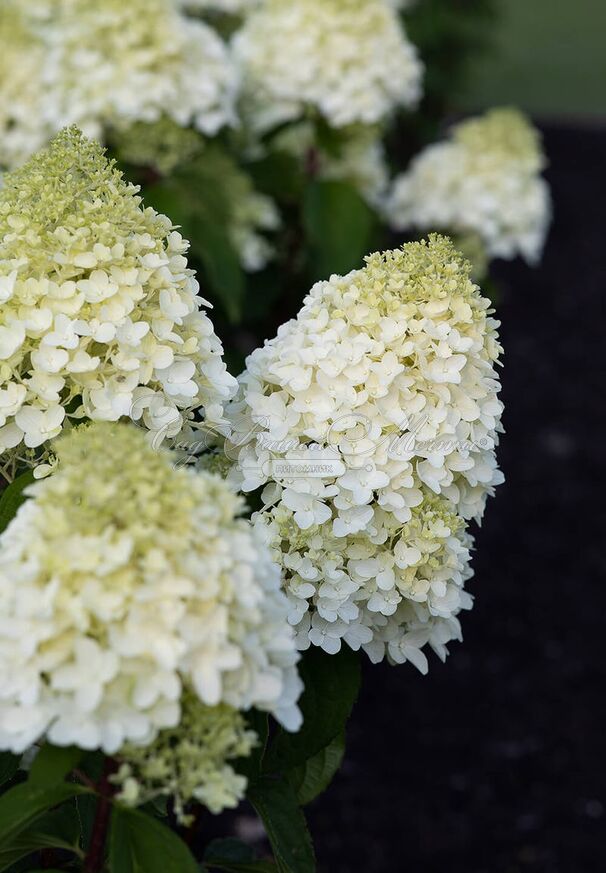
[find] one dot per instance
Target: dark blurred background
(496, 761)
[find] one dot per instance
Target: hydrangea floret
(100, 316)
(485, 180)
(126, 584)
(371, 420)
(190, 762)
(348, 61)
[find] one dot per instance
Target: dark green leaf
(55, 830)
(141, 844)
(53, 763)
(12, 498)
(22, 805)
(276, 803)
(280, 175)
(9, 764)
(331, 684)
(339, 227)
(234, 856)
(329, 139)
(201, 198)
(315, 775)
(228, 850)
(166, 198)
(221, 263)
(86, 810)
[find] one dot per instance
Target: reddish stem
(96, 850)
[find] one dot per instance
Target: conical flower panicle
(140, 594)
(372, 421)
(100, 316)
(484, 181)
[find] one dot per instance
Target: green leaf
(53, 763)
(228, 850)
(315, 775)
(234, 856)
(201, 199)
(56, 830)
(276, 803)
(165, 197)
(22, 805)
(12, 498)
(9, 764)
(140, 844)
(331, 685)
(86, 811)
(221, 264)
(339, 227)
(280, 175)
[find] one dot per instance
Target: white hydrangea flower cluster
(485, 180)
(372, 421)
(190, 762)
(122, 581)
(99, 314)
(102, 64)
(348, 60)
(24, 106)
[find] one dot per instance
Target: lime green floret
(190, 762)
(71, 189)
(501, 130)
(110, 476)
(429, 270)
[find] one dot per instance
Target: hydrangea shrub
(193, 566)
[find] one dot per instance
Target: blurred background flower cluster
(287, 138)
